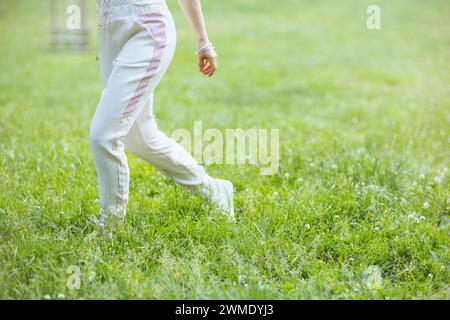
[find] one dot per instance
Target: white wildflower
(438, 179)
(92, 276)
(374, 278)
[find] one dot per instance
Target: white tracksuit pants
(137, 41)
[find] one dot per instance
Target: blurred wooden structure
(63, 36)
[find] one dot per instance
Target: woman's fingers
(209, 71)
(210, 68)
(207, 64)
(202, 63)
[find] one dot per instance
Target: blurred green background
(359, 208)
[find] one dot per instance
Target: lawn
(359, 208)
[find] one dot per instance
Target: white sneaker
(223, 197)
(220, 193)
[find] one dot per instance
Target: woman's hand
(207, 56)
(207, 60)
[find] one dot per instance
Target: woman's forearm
(207, 56)
(192, 9)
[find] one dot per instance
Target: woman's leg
(149, 143)
(136, 72)
(144, 49)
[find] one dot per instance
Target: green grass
(364, 120)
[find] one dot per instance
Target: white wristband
(207, 46)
